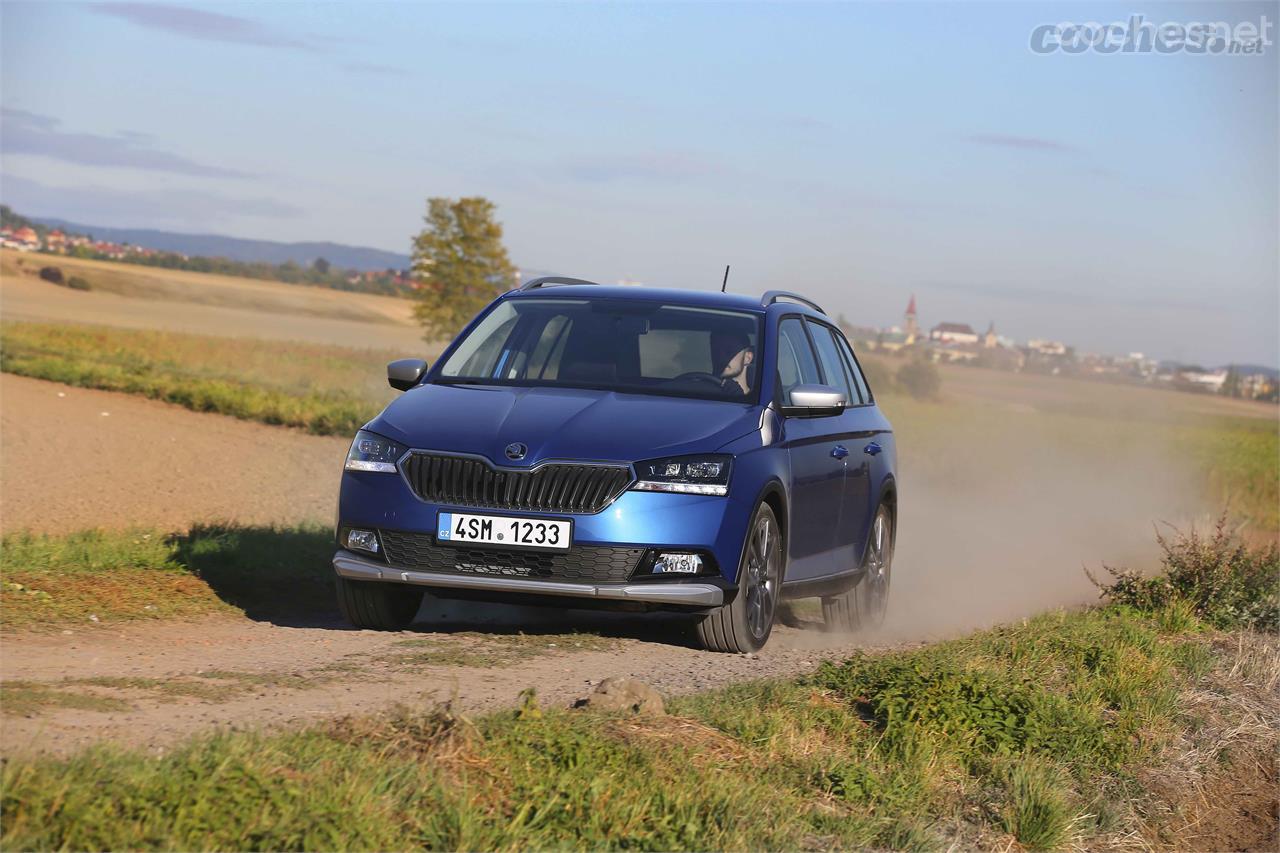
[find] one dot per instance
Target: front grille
(581, 563)
(463, 481)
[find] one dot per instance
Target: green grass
(57, 580)
(115, 693)
(1241, 458)
(472, 648)
(1010, 733)
(28, 698)
(325, 390)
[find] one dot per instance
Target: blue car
(581, 445)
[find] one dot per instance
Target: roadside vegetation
(325, 390)
(102, 576)
(1054, 732)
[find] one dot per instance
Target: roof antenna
(726, 278)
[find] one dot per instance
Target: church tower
(909, 324)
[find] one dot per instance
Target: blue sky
(858, 152)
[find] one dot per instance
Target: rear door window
(796, 362)
(855, 370)
(834, 371)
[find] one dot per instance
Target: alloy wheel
(764, 571)
(873, 591)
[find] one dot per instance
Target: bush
(77, 283)
(51, 274)
(877, 374)
(920, 379)
(1218, 579)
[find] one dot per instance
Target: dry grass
(1215, 785)
(155, 283)
(474, 649)
(115, 693)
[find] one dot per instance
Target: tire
(863, 607)
(744, 624)
(377, 605)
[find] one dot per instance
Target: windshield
(632, 346)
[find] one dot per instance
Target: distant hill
(1250, 369)
(238, 248)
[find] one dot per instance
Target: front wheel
(744, 624)
(377, 605)
(863, 607)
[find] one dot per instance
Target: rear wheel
(864, 605)
(377, 605)
(744, 624)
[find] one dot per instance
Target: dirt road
(152, 685)
(72, 458)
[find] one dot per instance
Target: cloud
(1026, 143)
(23, 132)
(200, 24)
(670, 166)
(165, 208)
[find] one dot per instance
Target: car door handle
(872, 449)
(839, 451)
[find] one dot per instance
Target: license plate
(542, 533)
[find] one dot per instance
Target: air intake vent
(468, 481)
(581, 563)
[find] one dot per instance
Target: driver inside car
(732, 356)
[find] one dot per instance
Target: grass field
(117, 576)
(158, 284)
(322, 389)
(1047, 733)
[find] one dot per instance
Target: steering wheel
(698, 375)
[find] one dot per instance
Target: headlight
(689, 475)
(371, 452)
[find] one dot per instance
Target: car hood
(560, 423)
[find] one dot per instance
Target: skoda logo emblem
(516, 450)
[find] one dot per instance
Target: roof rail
(773, 296)
(535, 283)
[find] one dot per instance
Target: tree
(460, 263)
(920, 379)
(321, 266)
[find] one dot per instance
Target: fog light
(678, 564)
(363, 540)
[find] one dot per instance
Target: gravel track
(257, 675)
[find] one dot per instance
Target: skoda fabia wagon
(581, 445)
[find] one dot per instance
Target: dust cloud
(998, 522)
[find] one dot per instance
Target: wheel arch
(889, 497)
(773, 494)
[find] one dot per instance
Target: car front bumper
(692, 594)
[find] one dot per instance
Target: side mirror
(815, 401)
(405, 373)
